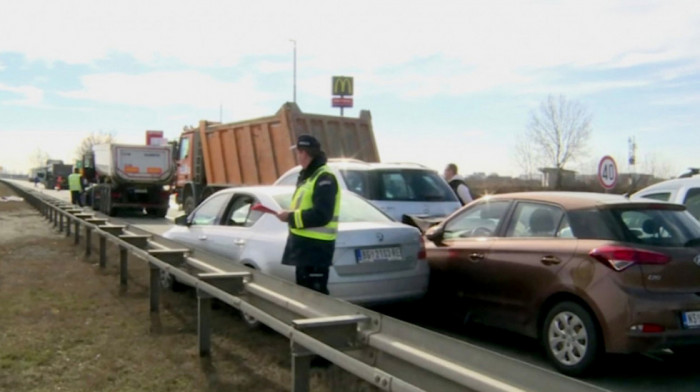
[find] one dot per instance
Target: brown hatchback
(586, 273)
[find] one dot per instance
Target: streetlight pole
(295, 69)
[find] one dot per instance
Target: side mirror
(435, 234)
(182, 220)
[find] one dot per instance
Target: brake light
(421, 252)
(621, 257)
(116, 195)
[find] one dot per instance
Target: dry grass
(66, 325)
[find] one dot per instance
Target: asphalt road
(621, 373)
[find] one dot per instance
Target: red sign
(607, 172)
(342, 102)
(154, 138)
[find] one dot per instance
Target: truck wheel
(189, 204)
(168, 282)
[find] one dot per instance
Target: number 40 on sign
(607, 172)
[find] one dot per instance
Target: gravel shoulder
(67, 325)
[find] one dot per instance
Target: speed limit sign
(607, 172)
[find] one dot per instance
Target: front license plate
(378, 254)
(691, 319)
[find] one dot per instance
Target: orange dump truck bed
(258, 151)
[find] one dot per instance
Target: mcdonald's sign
(342, 85)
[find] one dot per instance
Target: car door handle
(202, 237)
(550, 260)
(476, 257)
(239, 242)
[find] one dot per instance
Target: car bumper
(379, 291)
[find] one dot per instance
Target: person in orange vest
(59, 183)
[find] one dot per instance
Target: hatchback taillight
(621, 257)
(421, 252)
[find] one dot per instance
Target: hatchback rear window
(647, 226)
(398, 185)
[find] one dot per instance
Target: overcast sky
(445, 81)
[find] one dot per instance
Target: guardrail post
(230, 282)
(88, 240)
(77, 232)
(301, 367)
(68, 222)
(204, 322)
(173, 257)
(60, 225)
(154, 287)
(54, 218)
(340, 332)
(123, 266)
(113, 230)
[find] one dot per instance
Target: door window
(535, 220)
(240, 213)
(480, 220)
(209, 210)
(692, 202)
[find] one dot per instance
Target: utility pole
(295, 69)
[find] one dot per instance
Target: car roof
(675, 183)
(357, 164)
(574, 200)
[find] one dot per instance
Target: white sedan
(376, 259)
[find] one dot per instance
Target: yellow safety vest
(303, 200)
(74, 182)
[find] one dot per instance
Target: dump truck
(57, 174)
(214, 156)
(126, 176)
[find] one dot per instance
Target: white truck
(129, 177)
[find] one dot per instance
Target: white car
(678, 190)
(376, 259)
(396, 188)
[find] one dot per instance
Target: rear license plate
(138, 190)
(691, 319)
(377, 254)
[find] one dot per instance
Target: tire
(570, 338)
(168, 282)
(189, 204)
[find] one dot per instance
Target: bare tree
(559, 132)
(39, 158)
(94, 138)
(525, 156)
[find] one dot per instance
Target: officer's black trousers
(315, 278)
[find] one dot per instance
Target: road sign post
(607, 173)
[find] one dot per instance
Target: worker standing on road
(75, 187)
(457, 184)
(313, 218)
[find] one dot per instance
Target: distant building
(550, 177)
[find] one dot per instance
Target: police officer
(75, 187)
(313, 218)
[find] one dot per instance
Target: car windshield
(398, 185)
(647, 226)
(352, 208)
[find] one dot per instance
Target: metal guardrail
(390, 354)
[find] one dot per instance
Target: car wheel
(250, 321)
(570, 338)
(168, 282)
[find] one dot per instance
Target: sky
(445, 81)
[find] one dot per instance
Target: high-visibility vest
(303, 200)
(74, 182)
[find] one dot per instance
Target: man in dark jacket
(312, 218)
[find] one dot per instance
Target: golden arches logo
(342, 85)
